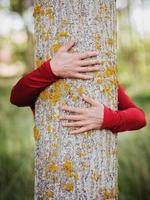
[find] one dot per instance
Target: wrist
(104, 123)
(53, 68)
(101, 118)
(109, 118)
(46, 71)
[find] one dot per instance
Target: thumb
(89, 100)
(68, 45)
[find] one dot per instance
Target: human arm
(128, 116)
(62, 65)
(27, 89)
(98, 116)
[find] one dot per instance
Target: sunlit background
(16, 59)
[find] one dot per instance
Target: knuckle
(86, 54)
(87, 69)
(94, 61)
(91, 62)
(81, 69)
(77, 55)
(71, 59)
(89, 127)
(75, 75)
(85, 77)
(77, 63)
(86, 128)
(95, 68)
(84, 62)
(90, 68)
(82, 77)
(70, 74)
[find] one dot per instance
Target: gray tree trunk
(84, 166)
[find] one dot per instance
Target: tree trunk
(83, 166)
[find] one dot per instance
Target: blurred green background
(16, 59)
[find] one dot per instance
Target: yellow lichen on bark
(38, 11)
(56, 47)
(52, 167)
(68, 186)
(44, 95)
(36, 133)
(68, 166)
(50, 194)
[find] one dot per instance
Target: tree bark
(83, 166)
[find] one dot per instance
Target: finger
(71, 117)
(90, 100)
(87, 54)
(89, 62)
(68, 45)
(74, 124)
(73, 109)
(81, 130)
(82, 76)
(87, 69)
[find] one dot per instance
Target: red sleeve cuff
(108, 118)
(49, 71)
(119, 121)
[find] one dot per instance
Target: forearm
(123, 120)
(27, 89)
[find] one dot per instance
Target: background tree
(21, 7)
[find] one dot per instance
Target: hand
(87, 118)
(70, 65)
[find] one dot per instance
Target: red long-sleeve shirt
(128, 116)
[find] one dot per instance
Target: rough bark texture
(84, 166)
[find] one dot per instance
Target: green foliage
(134, 156)
(19, 51)
(17, 6)
(16, 148)
(20, 6)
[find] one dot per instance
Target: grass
(16, 148)
(134, 156)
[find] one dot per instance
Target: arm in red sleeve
(27, 89)
(128, 116)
